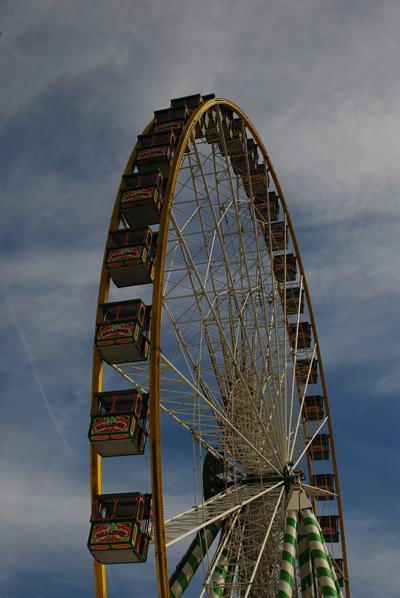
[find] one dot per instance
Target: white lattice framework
(228, 368)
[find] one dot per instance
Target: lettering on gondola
(115, 331)
(240, 156)
(137, 194)
(317, 449)
(257, 178)
(153, 152)
(177, 124)
(111, 532)
(126, 253)
(111, 425)
(281, 268)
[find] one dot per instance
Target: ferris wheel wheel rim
(155, 448)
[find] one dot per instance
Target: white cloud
(373, 565)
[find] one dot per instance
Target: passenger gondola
(131, 256)
(122, 331)
(319, 448)
(121, 528)
(141, 197)
(119, 422)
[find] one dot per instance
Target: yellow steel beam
(97, 380)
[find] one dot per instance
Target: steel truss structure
(223, 367)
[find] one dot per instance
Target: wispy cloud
(46, 402)
(378, 553)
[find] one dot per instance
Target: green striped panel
(220, 572)
(305, 564)
(288, 556)
(319, 552)
(193, 560)
(314, 522)
(338, 588)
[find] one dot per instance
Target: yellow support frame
(155, 350)
(97, 378)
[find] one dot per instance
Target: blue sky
(80, 81)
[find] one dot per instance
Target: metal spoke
(184, 525)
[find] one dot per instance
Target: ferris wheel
(224, 348)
